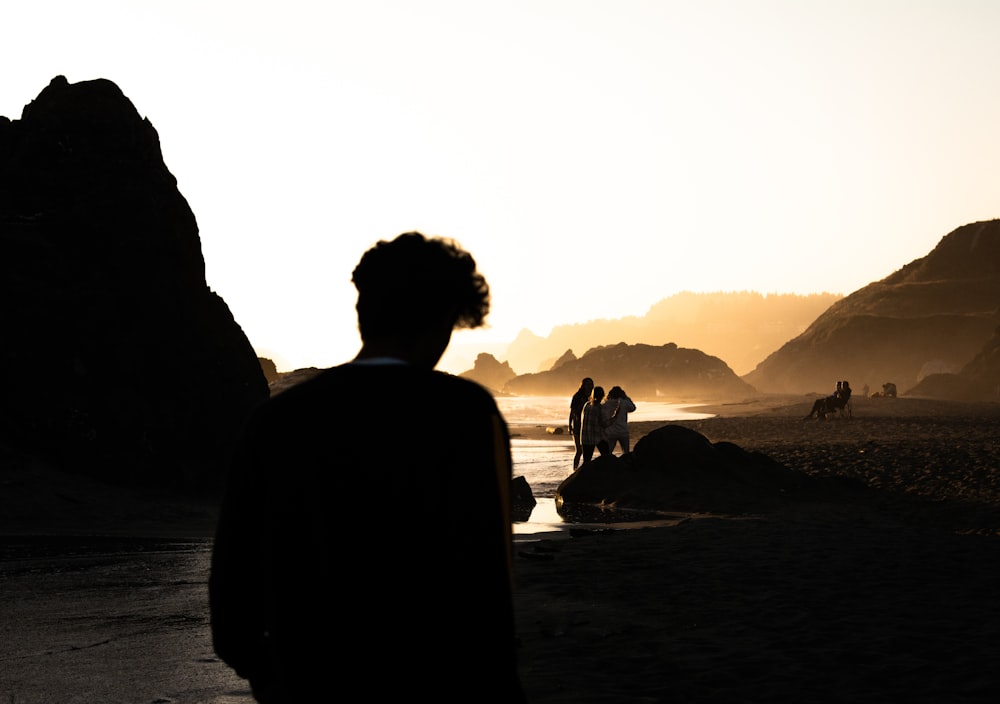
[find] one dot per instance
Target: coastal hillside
(934, 316)
(979, 380)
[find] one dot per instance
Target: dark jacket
(366, 527)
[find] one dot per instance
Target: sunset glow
(595, 157)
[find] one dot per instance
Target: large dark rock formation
(120, 362)
(933, 316)
(676, 469)
(668, 371)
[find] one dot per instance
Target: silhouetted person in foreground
(576, 405)
(364, 557)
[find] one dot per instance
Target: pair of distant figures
(838, 402)
(888, 391)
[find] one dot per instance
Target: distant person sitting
(845, 393)
(830, 404)
(593, 432)
(842, 401)
(820, 403)
(340, 546)
(576, 405)
(617, 431)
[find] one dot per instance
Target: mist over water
(554, 411)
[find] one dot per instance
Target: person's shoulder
(317, 383)
(302, 394)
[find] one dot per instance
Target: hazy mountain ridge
(741, 328)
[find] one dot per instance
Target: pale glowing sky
(594, 156)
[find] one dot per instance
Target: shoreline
(35, 500)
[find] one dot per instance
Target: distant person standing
(323, 566)
(576, 405)
(594, 426)
(620, 406)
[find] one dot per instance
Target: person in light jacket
(594, 425)
(619, 405)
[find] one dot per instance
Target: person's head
(597, 395)
(616, 392)
(587, 384)
(413, 291)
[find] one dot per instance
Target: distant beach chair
(842, 405)
(839, 404)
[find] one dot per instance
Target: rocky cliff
(121, 362)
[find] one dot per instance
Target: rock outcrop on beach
(522, 499)
(676, 469)
(644, 371)
(489, 372)
(121, 362)
(933, 316)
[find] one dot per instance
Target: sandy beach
(889, 596)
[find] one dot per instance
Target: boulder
(676, 469)
(522, 499)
